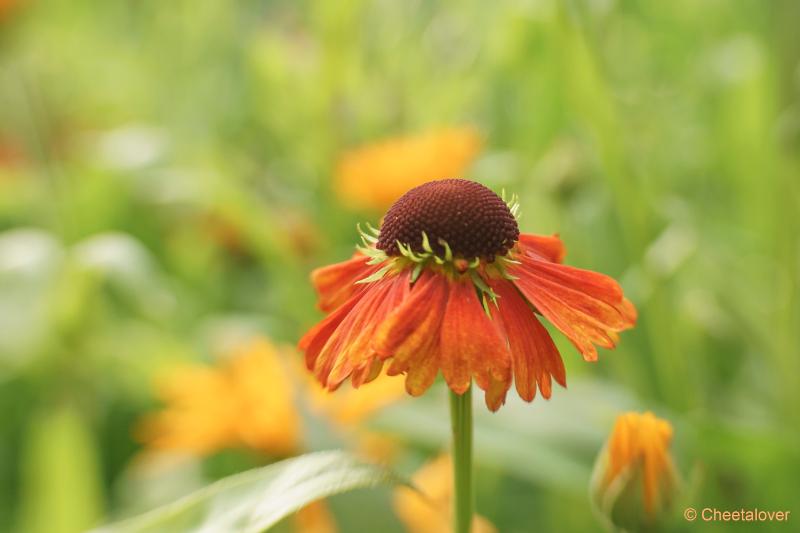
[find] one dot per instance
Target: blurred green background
(166, 182)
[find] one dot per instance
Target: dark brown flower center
(473, 220)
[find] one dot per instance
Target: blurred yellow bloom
(315, 518)
(248, 401)
(378, 447)
(375, 175)
(432, 513)
(348, 406)
(635, 478)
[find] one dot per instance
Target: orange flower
(349, 407)
(636, 461)
(376, 175)
(248, 401)
(448, 284)
(315, 518)
(430, 509)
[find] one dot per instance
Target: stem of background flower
(461, 421)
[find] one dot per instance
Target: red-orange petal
(589, 308)
(411, 326)
(366, 372)
(349, 348)
(316, 338)
(471, 343)
(410, 335)
(548, 247)
(535, 357)
(336, 283)
(423, 367)
(496, 392)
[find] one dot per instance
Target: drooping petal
(348, 348)
(410, 328)
(496, 392)
(589, 308)
(471, 344)
(423, 367)
(410, 334)
(366, 372)
(547, 247)
(336, 283)
(316, 338)
(534, 356)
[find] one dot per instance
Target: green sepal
(478, 281)
(375, 276)
(416, 272)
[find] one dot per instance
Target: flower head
(375, 175)
(635, 478)
(449, 284)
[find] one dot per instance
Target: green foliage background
(660, 139)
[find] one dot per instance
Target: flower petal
(316, 338)
(548, 247)
(413, 326)
(366, 371)
(336, 283)
(534, 356)
(589, 308)
(471, 343)
(423, 368)
(349, 348)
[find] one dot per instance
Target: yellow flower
(315, 518)
(249, 401)
(635, 478)
(431, 512)
(246, 401)
(375, 175)
(350, 406)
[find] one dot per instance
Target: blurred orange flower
(431, 511)
(249, 400)
(350, 406)
(375, 175)
(635, 469)
(315, 518)
(246, 401)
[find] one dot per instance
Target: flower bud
(634, 481)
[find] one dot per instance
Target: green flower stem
(463, 496)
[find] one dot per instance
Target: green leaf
(258, 499)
